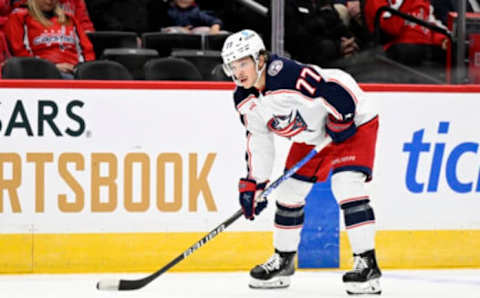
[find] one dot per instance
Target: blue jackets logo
(287, 125)
(443, 162)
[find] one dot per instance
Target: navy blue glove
(247, 189)
(338, 130)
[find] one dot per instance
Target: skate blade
(274, 283)
(359, 288)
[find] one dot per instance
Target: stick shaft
(294, 169)
(136, 284)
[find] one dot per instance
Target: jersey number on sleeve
(302, 82)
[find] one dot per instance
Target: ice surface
(305, 284)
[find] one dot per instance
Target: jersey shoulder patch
(275, 67)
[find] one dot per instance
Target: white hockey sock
(289, 214)
(286, 239)
(362, 238)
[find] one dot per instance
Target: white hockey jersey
(295, 104)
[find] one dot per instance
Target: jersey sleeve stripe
(332, 110)
(243, 102)
(249, 156)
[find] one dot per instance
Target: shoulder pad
(282, 73)
(283, 66)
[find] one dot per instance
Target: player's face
(46, 5)
(244, 70)
(184, 3)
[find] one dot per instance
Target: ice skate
(275, 273)
(365, 276)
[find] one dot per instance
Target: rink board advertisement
(124, 177)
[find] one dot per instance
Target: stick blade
(128, 285)
(108, 285)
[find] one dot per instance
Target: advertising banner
(145, 172)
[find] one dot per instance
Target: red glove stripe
(337, 126)
(247, 185)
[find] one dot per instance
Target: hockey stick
(125, 284)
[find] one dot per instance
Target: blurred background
(121, 176)
(377, 41)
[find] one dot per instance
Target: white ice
(305, 284)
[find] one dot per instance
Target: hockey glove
(248, 189)
(338, 130)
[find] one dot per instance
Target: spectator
(4, 12)
(350, 12)
(404, 41)
(186, 17)
(318, 23)
(347, 9)
(74, 7)
(46, 31)
(5, 9)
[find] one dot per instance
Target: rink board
(107, 177)
(70, 253)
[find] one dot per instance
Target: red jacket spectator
(58, 43)
(399, 29)
(73, 7)
(4, 11)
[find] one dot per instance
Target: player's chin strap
(259, 73)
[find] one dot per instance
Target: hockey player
(305, 104)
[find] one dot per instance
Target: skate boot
(365, 276)
(274, 273)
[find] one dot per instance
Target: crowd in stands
(406, 42)
(328, 33)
